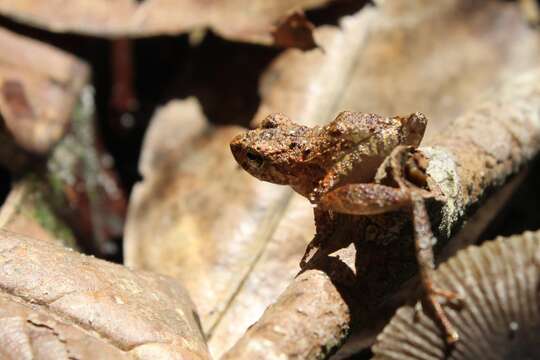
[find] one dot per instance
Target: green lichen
(75, 163)
(443, 169)
(46, 217)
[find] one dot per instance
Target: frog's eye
(269, 122)
(255, 158)
(274, 120)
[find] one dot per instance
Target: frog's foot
(364, 199)
(449, 296)
(433, 296)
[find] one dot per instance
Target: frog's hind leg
(364, 199)
(424, 239)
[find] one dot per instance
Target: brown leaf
(272, 272)
(233, 19)
(492, 279)
(46, 104)
(55, 301)
(295, 31)
(212, 218)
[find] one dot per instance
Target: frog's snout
(249, 159)
(237, 149)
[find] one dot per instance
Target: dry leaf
(48, 109)
(498, 318)
(211, 217)
(250, 21)
(56, 301)
(402, 57)
(273, 271)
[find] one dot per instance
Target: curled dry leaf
(56, 301)
(233, 19)
(212, 232)
(37, 97)
(500, 313)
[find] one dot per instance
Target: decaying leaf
(500, 313)
(250, 21)
(37, 97)
(402, 57)
(59, 303)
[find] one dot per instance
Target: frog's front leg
(364, 199)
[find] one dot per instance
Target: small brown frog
(334, 166)
(315, 161)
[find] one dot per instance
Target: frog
(317, 160)
(336, 167)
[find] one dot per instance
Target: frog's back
(356, 128)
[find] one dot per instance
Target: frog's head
(271, 151)
(414, 127)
